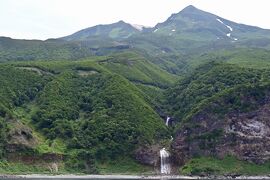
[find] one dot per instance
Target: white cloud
(42, 19)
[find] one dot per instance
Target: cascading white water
(165, 167)
(167, 120)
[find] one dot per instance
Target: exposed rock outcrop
(245, 135)
(148, 155)
(20, 137)
(53, 167)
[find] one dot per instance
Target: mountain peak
(189, 11)
(121, 22)
(190, 8)
(117, 30)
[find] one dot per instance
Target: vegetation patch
(86, 73)
(37, 70)
(208, 83)
(21, 168)
(227, 166)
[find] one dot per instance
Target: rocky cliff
(223, 128)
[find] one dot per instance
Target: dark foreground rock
(148, 155)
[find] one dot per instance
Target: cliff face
(241, 133)
(148, 155)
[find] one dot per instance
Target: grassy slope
(227, 166)
(130, 65)
(27, 50)
(243, 57)
(137, 69)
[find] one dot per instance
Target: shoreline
(72, 176)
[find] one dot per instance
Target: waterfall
(165, 167)
(167, 120)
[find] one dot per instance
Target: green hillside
(55, 49)
(86, 111)
(118, 30)
(138, 69)
(207, 81)
(243, 57)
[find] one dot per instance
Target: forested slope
(80, 112)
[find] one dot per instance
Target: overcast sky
(42, 19)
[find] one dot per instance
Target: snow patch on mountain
(173, 30)
(155, 30)
(229, 27)
(220, 21)
(138, 27)
(229, 34)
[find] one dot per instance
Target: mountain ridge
(116, 30)
(219, 27)
(166, 47)
(192, 21)
(138, 27)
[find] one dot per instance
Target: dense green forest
(86, 111)
(207, 81)
(93, 112)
